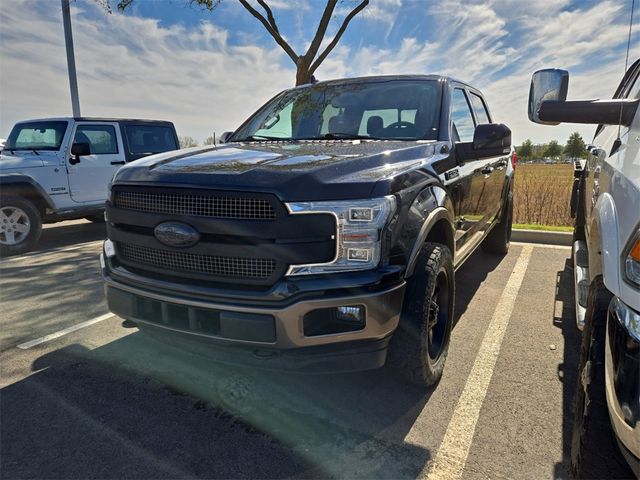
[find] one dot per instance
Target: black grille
(213, 206)
(250, 268)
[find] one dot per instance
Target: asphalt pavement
(81, 396)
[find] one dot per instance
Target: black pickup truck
(324, 234)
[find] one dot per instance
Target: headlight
(359, 223)
(631, 260)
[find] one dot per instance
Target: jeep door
(90, 177)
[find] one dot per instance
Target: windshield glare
(391, 109)
(36, 136)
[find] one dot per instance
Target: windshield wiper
(344, 136)
(35, 151)
(253, 138)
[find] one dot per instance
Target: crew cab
(59, 169)
(323, 235)
(606, 256)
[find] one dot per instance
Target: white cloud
(133, 67)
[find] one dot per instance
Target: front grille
(250, 268)
(213, 206)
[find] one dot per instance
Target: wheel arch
(27, 187)
(604, 251)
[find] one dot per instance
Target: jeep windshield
(45, 135)
(369, 110)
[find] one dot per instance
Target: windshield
(388, 109)
(36, 136)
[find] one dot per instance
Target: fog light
(350, 314)
(358, 254)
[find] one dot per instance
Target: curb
(542, 236)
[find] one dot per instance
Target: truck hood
(19, 161)
(295, 171)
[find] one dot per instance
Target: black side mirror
(491, 139)
(224, 138)
(78, 150)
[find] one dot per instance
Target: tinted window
(101, 138)
(389, 109)
(148, 139)
(36, 136)
(481, 111)
(461, 117)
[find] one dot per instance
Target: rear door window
(150, 139)
(480, 109)
(102, 139)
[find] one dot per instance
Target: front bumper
(622, 378)
(263, 334)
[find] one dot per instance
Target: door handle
(487, 170)
(118, 163)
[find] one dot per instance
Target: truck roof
(376, 78)
(97, 119)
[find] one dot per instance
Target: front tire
(499, 238)
(419, 347)
(20, 225)
(591, 425)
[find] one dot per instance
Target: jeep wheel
(419, 346)
(20, 225)
(499, 238)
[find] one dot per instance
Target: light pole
(71, 61)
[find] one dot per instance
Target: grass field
(541, 194)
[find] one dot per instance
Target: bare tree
(307, 63)
(187, 142)
(208, 140)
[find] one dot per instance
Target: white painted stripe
(60, 333)
(542, 245)
(53, 250)
(452, 455)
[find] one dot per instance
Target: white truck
(606, 254)
(59, 169)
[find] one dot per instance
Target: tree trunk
(303, 74)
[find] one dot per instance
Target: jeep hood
(295, 171)
(19, 160)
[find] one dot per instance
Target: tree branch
(336, 39)
(276, 36)
(322, 29)
(270, 16)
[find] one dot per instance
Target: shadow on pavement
(564, 319)
(140, 408)
(66, 234)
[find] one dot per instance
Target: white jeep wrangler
(60, 168)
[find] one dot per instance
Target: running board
(580, 280)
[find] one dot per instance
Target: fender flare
(11, 179)
(604, 250)
(437, 214)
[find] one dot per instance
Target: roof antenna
(618, 142)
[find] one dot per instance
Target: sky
(208, 71)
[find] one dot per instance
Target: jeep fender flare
(604, 251)
(441, 214)
(18, 180)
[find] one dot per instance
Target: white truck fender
(609, 248)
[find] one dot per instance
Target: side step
(580, 280)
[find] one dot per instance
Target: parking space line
(542, 245)
(60, 333)
(452, 455)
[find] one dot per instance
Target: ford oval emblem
(176, 234)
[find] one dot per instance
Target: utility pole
(71, 61)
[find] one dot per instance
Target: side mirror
(225, 137)
(550, 84)
(548, 103)
(491, 139)
(78, 150)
